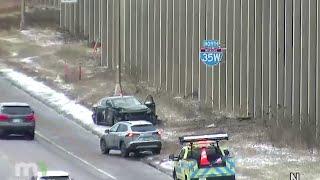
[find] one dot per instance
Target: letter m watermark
(23, 169)
(295, 176)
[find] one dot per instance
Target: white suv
(131, 136)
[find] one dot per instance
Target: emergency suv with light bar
(201, 158)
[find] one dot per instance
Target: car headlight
(149, 111)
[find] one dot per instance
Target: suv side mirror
(226, 152)
(107, 131)
(173, 158)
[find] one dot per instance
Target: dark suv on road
(17, 118)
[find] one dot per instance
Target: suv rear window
(143, 128)
(14, 110)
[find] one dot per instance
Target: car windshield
(14, 110)
(125, 102)
(55, 178)
(143, 128)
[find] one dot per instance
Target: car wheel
(99, 118)
(156, 151)
(124, 151)
(3, 135)
(30, 135)
(103, 147)
(137, 154)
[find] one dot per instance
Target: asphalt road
(83, 158)
(15, 150)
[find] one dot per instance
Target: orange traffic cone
(204, 159)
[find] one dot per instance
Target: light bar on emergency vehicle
(208, 137)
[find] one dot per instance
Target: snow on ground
(54, 98)
(44, 38)
(167, 164)
(264, 155)
(14, 54)
(11, 40)
(63, 85)
(28, 60)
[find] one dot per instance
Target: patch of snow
(28, 60)
(43, 38)
(211, 125)
(168, 135)
(55, 99)
(63, 85)
(166, 164)
(14, 54)
(12, 40)
(263, 155)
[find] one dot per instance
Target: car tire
(3, 135)
(124, 150)
(156, 151)
(30, 135)
(137, 154)
(99, 118)
(103, 147)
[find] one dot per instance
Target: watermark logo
(211, 52)
(24, 169)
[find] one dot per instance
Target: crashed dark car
(110, 110)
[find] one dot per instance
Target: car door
(109, 113)
(179, 169)
(149, 102)
(110, 136)
(120, 134)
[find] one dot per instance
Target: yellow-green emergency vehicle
(201, 158)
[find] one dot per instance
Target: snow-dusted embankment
(57, 100)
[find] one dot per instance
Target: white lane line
(75, 156)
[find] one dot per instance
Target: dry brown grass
(9, 6)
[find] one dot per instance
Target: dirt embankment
(9, 11)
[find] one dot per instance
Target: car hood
(135, 108)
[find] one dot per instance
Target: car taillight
(30, 117)
(3, 117)
(131, 134)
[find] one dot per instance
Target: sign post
(22, 20)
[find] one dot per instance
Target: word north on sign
(211, 52)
